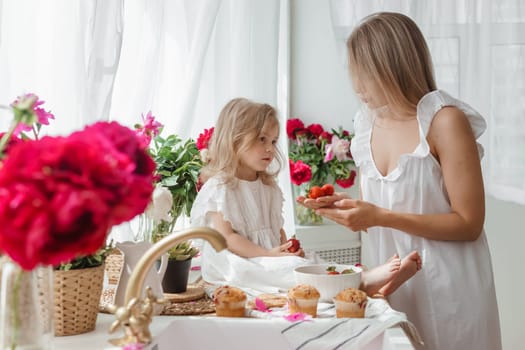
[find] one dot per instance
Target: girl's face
(259, 156)
(368, 91)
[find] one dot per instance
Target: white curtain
(116, 59)
(66, 52)
(478, 49)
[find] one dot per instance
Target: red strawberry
(315, 192)
(328, 189)
(296, 245)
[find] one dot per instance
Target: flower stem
(5, 138)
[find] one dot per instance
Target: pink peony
(32, 103)
(149, 129)
(339, 148)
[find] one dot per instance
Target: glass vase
(26, 307)
(303, 215)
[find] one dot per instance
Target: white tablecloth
(193, 332)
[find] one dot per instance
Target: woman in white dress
(421, 185)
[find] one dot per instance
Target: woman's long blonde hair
(240, 124)
(389, 49)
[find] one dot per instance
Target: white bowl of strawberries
(329, 279)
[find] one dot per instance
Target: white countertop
(392, 339)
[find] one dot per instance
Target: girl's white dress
(452, 300)
(254, 211)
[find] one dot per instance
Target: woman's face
(368, 91)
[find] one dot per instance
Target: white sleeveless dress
(452, 300)
(254, 211)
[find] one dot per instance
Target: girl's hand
(355, 214)
(282, 250)
(321, 202)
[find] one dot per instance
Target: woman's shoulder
(442, 110)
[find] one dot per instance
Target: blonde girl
(241, 199)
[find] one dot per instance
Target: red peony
(204, 139)
(292, 125)
(315, 129)
(325, 135)
(300, 172)
(59, 196)
(349, 182)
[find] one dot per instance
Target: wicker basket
(77, 295)
(114, 264)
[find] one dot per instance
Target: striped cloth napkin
(328, 332)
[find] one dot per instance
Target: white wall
(321, 92)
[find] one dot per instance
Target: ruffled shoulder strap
(360, 141)
(212, 197)
(432, 102)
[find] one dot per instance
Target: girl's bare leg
(410, 264)
(374, 279)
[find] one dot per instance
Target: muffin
(229, 301)
(350, 302)
(303, 298)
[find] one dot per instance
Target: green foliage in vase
(178, 167)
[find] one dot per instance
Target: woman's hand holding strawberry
(320, 197)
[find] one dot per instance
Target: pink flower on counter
(298, 316)
(261, 306)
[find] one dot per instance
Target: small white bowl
(328, 285)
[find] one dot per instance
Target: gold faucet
(136, 314)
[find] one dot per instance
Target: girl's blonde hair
(389, 49)
(240, 124)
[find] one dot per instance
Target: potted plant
(178, 165)
(77, 287)
(179, 263)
